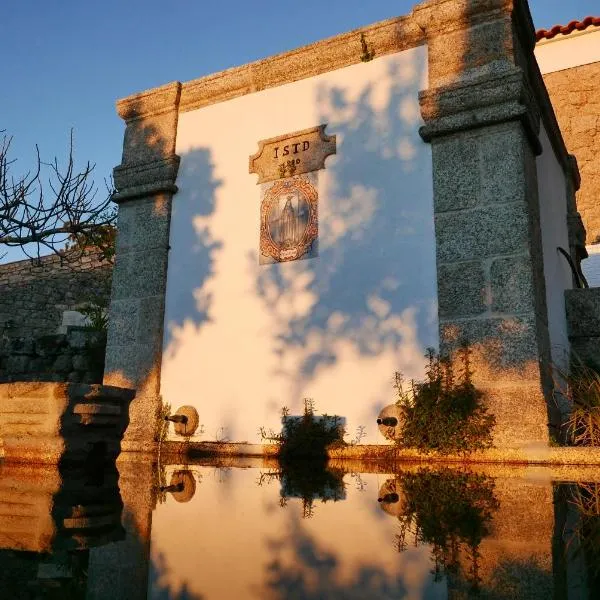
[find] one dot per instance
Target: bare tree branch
(61, 214)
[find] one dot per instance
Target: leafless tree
(54, 208)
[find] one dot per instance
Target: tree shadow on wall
(373, 284)
(187, 300)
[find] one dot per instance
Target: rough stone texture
(43, 422)
(386, 37)
(76, 356)
(33, 297)
(482, 116)
(575, 94)
(145, 184)
(583, 321)
(457, 297)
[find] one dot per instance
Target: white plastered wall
(568, 51)
(243, 340)
(552, 188)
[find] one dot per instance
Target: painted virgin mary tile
(287, 167)
(289, 219)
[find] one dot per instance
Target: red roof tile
(566, 29)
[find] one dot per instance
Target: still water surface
(255, 531)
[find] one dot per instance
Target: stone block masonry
(77, 356)
(583, 317)
(575, 95)
(34, 296)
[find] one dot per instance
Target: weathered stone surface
(575, 95)
(583, 322)
(76, 356)
(503, 347)
(456, 182)
(39, 423)
(481, 232)
(386, 37)
(583, 312)
(33, 297)
(461, 289)
(139, 274)
(144, 224)
(511, 280)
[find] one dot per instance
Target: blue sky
(65, 63)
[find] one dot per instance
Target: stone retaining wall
(77, 356)
(583, 318)
(33, 296)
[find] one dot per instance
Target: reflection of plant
(307, 436)
(585, 497)
(450, 510)
(441, 413)
(308, 481)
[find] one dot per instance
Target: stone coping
(542, 455)
(365, 43)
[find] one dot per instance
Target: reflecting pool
(221, 529)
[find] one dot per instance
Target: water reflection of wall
(235, 540)
(240, 537)
(242, 340)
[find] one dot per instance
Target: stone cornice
(142, 179)
(379, 39)
(488, 100)
(150, 103)
(440, 17)
(382, 38)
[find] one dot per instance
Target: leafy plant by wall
(583, 391)
(307, 436)
(444, 413)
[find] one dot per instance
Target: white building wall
(243, 340)
(552, 189)
(568, 51)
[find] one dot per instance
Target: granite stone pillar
(482, 121)
(145, 183)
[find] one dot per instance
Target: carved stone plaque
(292, 154)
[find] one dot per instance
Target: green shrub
(307, 436)
(444, 413)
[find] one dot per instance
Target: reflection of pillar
(145, 183)
(516, 558)
(482, 118)
(120, 571)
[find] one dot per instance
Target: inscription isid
(292, 154)
(287, 167)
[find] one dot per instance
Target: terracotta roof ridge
(548, 34)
